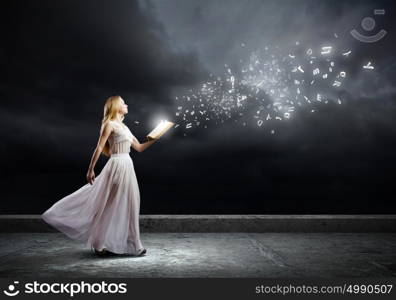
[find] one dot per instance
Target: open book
(161, 128)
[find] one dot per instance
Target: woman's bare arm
(141, 147)
(105, 132)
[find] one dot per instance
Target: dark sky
(61, 60)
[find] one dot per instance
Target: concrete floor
(35, 255)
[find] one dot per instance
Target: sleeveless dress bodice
(121, 138)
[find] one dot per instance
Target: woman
(104, 213)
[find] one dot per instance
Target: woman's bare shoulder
(108, 124)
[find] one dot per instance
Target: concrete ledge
(229, 223)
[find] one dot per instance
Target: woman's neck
(119, 118)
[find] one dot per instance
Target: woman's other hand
(90, 176)
(151, 139)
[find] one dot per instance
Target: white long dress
(106, 213)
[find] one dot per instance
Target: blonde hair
(111, 108)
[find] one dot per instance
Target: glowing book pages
(161, 128)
